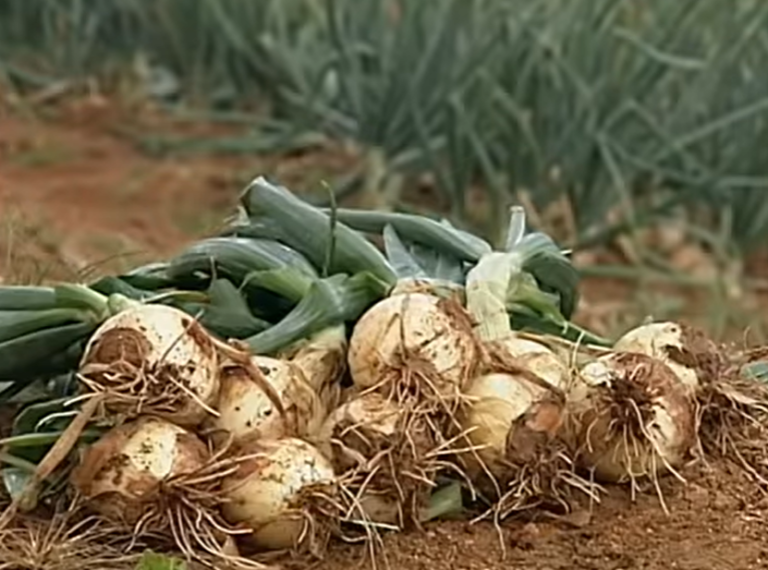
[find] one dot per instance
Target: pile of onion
(156, 477)
(279, 492)
(630, 418)
(153, 359)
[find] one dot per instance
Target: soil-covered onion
(153, 358)
(274, 489)
(687, 351)
(149, 475)
(629, 417)
(122, 476)
(246, 410)
(381, 452)
(414, 332)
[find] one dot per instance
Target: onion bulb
(687, 351)
(123, 475)
(272, 491)
(629, 417)
(418, 332)
(153, 358)
(512, 418)
(380, 452)
(152, 475)
(246, 410)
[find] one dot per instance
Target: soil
(75, 192)
(715, 521)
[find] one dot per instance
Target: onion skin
(268, 492)
(163, 344)
(685, 350)
(246, 411)
(416, 325)
(122, 473)
(604, 426)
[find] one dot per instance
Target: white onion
(154, 358)
(685, 350)
(510, 417)
(271, 491)
(246, 410)
(380, 452)
(629, 417)
(434, 334)
(123, 474)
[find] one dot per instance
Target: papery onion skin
(122, 473)
(415, 325)
(683, 349)
(603, 418)
(267, 492)
(163, 342)
(246, 411)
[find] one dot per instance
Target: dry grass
(63, 543)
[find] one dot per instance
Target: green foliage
(643, 105)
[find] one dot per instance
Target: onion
(630, 417)
(273, 491)
(413, 332)
(380, 451)
(122, 474)
(690, 354)
(153, 358)
(512, 418)
(246, 410)
(154, 476)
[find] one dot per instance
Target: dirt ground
(716, 521)
(74, 193)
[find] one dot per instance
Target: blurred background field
(632, 131)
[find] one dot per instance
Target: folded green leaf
(440, 236)
(330, 302)
(236, 257)
(308, 230)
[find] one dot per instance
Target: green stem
(17, 462)
(443, 502)
(82, 297)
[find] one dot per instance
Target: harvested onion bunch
(155, 477)
(513, 412)
(413, 343)
(512, 419)
(731, 410)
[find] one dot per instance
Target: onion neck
(486, 290)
